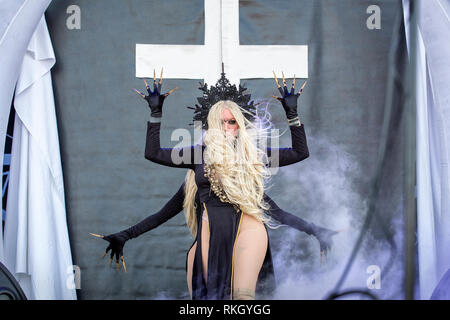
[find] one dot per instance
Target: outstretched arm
(117, 240)
(170, 209)
(287, 218)
(322, 234)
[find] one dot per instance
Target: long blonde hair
(237, 162)
(189, 205)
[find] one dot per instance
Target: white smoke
(322, 187)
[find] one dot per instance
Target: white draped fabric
(18, 20)
(36, 243)
(433, 134)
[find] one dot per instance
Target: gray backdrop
(110, 185)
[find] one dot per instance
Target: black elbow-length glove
(288, 99)
(155, 99)
(116, 244)
(324, 236)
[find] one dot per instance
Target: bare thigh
(190, 265)
(205, 244)
(250, 251)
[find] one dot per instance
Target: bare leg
(250, 251)
(205, 244)
(190, 265)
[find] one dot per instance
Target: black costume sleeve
(279, 157)
(289, 219)
(155, 153)
(175, 206)
(170, 209)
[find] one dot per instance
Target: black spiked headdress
(223, 90)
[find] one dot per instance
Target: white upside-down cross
(221, 45)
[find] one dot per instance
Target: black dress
(224, 220)
(175, 206)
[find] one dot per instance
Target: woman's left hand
(324, 236)
(288, 99)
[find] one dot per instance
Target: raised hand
(288, 99)
(155, 99)
(116, 244)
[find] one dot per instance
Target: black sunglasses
(230, 122)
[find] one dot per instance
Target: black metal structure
(9, 287)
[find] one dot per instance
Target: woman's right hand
(116, 244)
(154, 99)
(325, 237)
